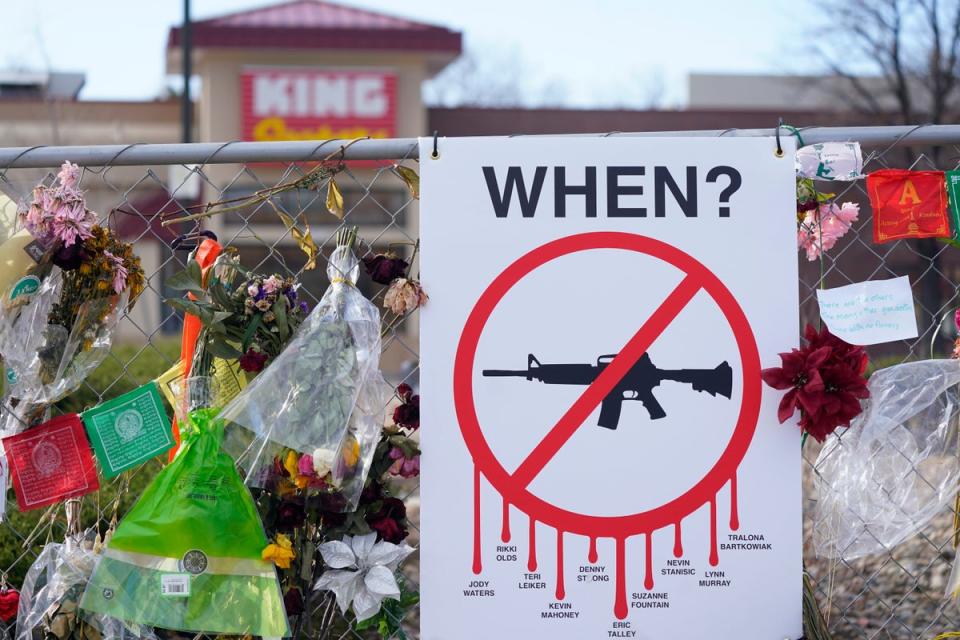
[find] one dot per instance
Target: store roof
(316, 24)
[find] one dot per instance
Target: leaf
(219, 294)
(186, 306)
(185, 281)
(410, 178)
(222, 349)
(220, 316)
(251, 330)
(280, 313)
(196, 273)
(304, 240)
(334, 199)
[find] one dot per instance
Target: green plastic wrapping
(187, 555)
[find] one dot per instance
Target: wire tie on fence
(436, 152)
(779, 151)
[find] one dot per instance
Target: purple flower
(304, 307)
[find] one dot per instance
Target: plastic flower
(280, 552)
(361, 572)
(824, 380)
(404, 295)
(821, 227)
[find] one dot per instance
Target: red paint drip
(734, 510)
(677, 541)
(477, 564)
(648, 571)
(714, 558)
(505, 531)
(532, 554)
(620, 603)
(561, 592)
(592, 555)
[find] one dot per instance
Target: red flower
(253, 361)
(389, 520)
(407, 415)
(384, 269)
(824, 380)
(293, 602)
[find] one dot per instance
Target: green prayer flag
(129, 429)
(953, 189)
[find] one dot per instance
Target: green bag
(187, 555)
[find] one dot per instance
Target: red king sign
(291, 103)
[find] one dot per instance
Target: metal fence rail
(898, 594)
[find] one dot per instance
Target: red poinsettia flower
(824, 380)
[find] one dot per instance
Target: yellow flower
(280, 552)
(290, 464)
(351, 453)
(85, 268)
(302, 482)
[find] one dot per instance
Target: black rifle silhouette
(638, 384)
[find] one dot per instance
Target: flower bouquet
(247, 319)
(57, 322)
(307, 400)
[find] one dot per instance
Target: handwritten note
(870, 312)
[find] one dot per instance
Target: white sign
(870, 312)
(600, 457)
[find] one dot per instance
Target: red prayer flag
(908, 204)
(51, 463)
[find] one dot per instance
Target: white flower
(323, 462)
(361, 572)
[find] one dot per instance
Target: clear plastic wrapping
(52, 588)
(44, 362)
(305, 399)
(896, 467)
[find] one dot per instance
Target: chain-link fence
(898, 594)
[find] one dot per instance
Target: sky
(600, 52)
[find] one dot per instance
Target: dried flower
(404, 295)
(403, 466)
(119, 272)
(280, 552)
(384, 269)
(253, 361)
(290, 515)
(272, 284)
(293, 601)
(407, 414)
(389, 521)
(263, 305)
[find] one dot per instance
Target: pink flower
(272, 284)
(71, 222)
(119, 272)
(69, 175)
(823, 226)
(253, 290)
(403, 466)
(305, 465)
(404, 295)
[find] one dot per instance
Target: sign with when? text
(601, 459)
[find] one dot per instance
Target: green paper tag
(129, 429)
(953, 189)
(25, 286)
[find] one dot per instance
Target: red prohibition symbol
(513, 486)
